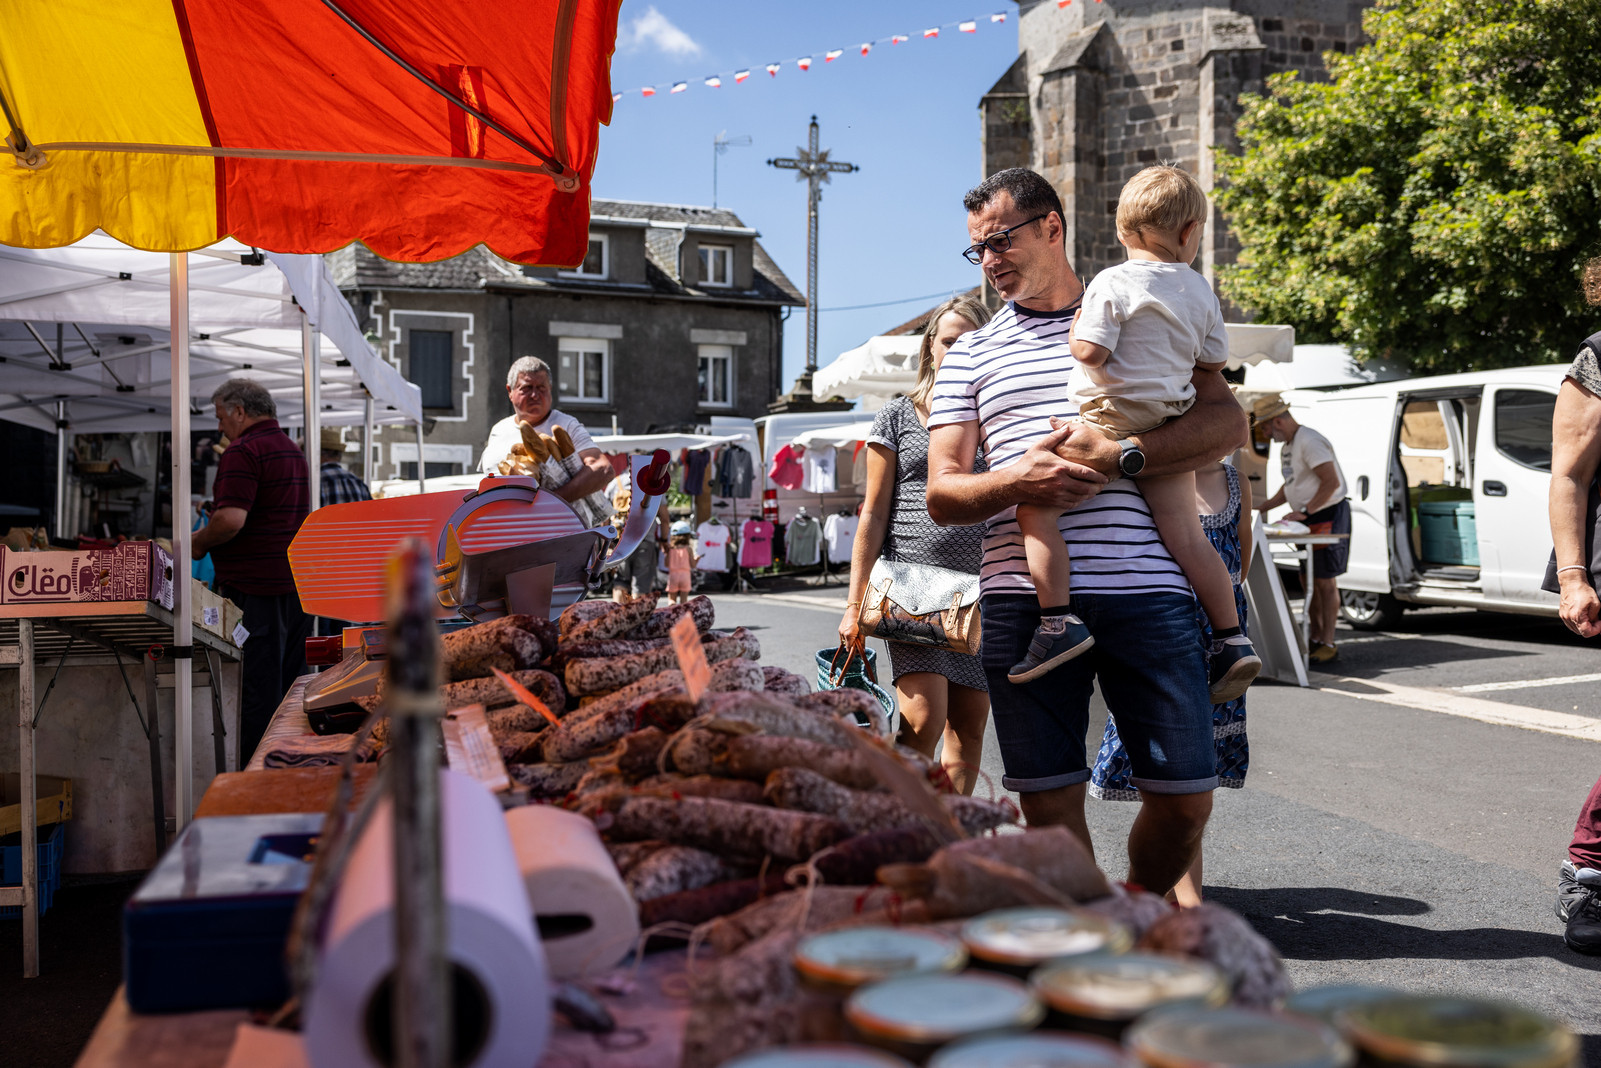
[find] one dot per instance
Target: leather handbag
(923, 605)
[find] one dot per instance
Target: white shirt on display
(506, 433)
(839, 534)
(818, 463)
(711, 545)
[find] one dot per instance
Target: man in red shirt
(262, 495)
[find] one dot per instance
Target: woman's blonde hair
(965, 306)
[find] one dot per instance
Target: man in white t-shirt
(529, 387)
(1315, 488)
(999, 389)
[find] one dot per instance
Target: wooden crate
(54, 804)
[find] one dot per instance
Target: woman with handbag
(915, 583)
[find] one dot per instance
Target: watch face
(1132, 461)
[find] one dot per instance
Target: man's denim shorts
(1148, 659)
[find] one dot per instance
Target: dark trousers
(1585, 850)
(274, 656)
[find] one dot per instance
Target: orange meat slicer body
(507, 546)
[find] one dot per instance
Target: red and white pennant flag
(833, 54)
(679, 87)
(740, 75)
(649, 90)
(804, 63)
(772, 68)
(931, 32)
(898, 38)
(968, 27)
(866, 47)
(999, 16)
(714, 82)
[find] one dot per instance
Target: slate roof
(356, 267)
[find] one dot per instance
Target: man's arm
(1328, 487)
(958, 497)
(1214, 426)
(1272, 502)
(592, 478)
(225, 523)
(1575, 454)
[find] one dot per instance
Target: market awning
(613, 443)
(300, 126)
(837, 437)
(873, 372)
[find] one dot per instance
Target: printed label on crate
(691, 657)
(126, 573)
(211, 616)
(240, 634)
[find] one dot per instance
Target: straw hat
(332, 440)
(1268, 407)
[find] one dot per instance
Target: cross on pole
(812, 166)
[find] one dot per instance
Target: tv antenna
(720, 144)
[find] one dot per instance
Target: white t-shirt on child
(1159, 320)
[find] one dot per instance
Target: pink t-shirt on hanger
(756, 543)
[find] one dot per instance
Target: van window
(1523, 426)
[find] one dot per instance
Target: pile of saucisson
(704, 804)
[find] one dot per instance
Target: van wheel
(1366, 610)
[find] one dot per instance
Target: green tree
(1435, 200)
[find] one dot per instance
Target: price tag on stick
(691, 657)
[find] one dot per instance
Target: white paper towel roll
(586, 918)
(502, 1005)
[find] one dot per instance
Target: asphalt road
(1403, 818)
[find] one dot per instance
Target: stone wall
(1113, 89)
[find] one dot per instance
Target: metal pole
(422, 479)
(61, 469)
(311, 389)
(29, 793)
(812, 183)
(422, 994)
(366, 441)
(183, 638)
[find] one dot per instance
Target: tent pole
(311, 385)
(61, 470)
(366, 441)
(183, 694)
(422, 479)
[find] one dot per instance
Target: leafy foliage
(1435, 201)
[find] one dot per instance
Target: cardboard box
(208, 610)
(133, 571)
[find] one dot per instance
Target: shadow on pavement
(1328, 923)
(1372, 661)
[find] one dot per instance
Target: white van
(1448, 479)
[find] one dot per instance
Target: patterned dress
(912, 536)
(1109, 781)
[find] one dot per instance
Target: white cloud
(655, 29)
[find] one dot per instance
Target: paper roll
(586, 918)
(501, 1010)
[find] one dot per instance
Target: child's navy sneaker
(1051, 646)
(1235, 666)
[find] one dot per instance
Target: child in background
(681, 560)
(1144, 328)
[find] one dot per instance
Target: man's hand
(1580, 609)
(1048, 477)
(1088, 447)
(1298, 517)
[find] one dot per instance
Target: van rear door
(1511, 486)
(1360, 428)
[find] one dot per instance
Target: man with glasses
(1005, 385)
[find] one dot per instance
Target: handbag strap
(857, 647)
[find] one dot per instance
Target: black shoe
(1579, 895)
(1234, 667)
(1049, 649)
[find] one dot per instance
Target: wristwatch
(1132, 461)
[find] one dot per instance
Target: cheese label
(691, 657)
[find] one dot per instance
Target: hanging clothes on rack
(786, 469)
(819, 467)
(696, 463)
(756, 543)
(803, 540)
(839, 534)
(711, 544)
(735, 472)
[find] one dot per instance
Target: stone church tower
(1102, 89)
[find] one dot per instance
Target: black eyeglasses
(996, 243)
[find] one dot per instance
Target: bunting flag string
(714, 81)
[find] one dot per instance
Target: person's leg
(1172, 503)
(1153, 675)
(1039, 725)
(967, 711)
(1325, 609)
(260, 670)
(1186, 894)
(922, 700)
(296, 628)
(1050, 566)
(1579, 881)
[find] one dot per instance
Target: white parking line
(1528, 684)
(1451, 704)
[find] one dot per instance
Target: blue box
(1450, 534)
(207, 927)
(51, 840)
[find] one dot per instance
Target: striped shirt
(264, 473)
(1010, 376)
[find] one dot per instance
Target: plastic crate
(50, 847)
(1450, 532)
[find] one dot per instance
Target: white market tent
(195, 319)
(837, 437)
(874, 372)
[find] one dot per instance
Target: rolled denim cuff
(1186, 786)
(1050, 782)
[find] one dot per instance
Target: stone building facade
(1100, 90)
(675, 316)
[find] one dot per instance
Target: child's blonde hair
(1161, 197)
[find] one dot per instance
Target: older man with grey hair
(262, 494)
(528, 384)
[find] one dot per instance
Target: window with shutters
(432, 368)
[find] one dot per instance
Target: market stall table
(1301, 547)
(44, 634)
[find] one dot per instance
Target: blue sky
(907, 114)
